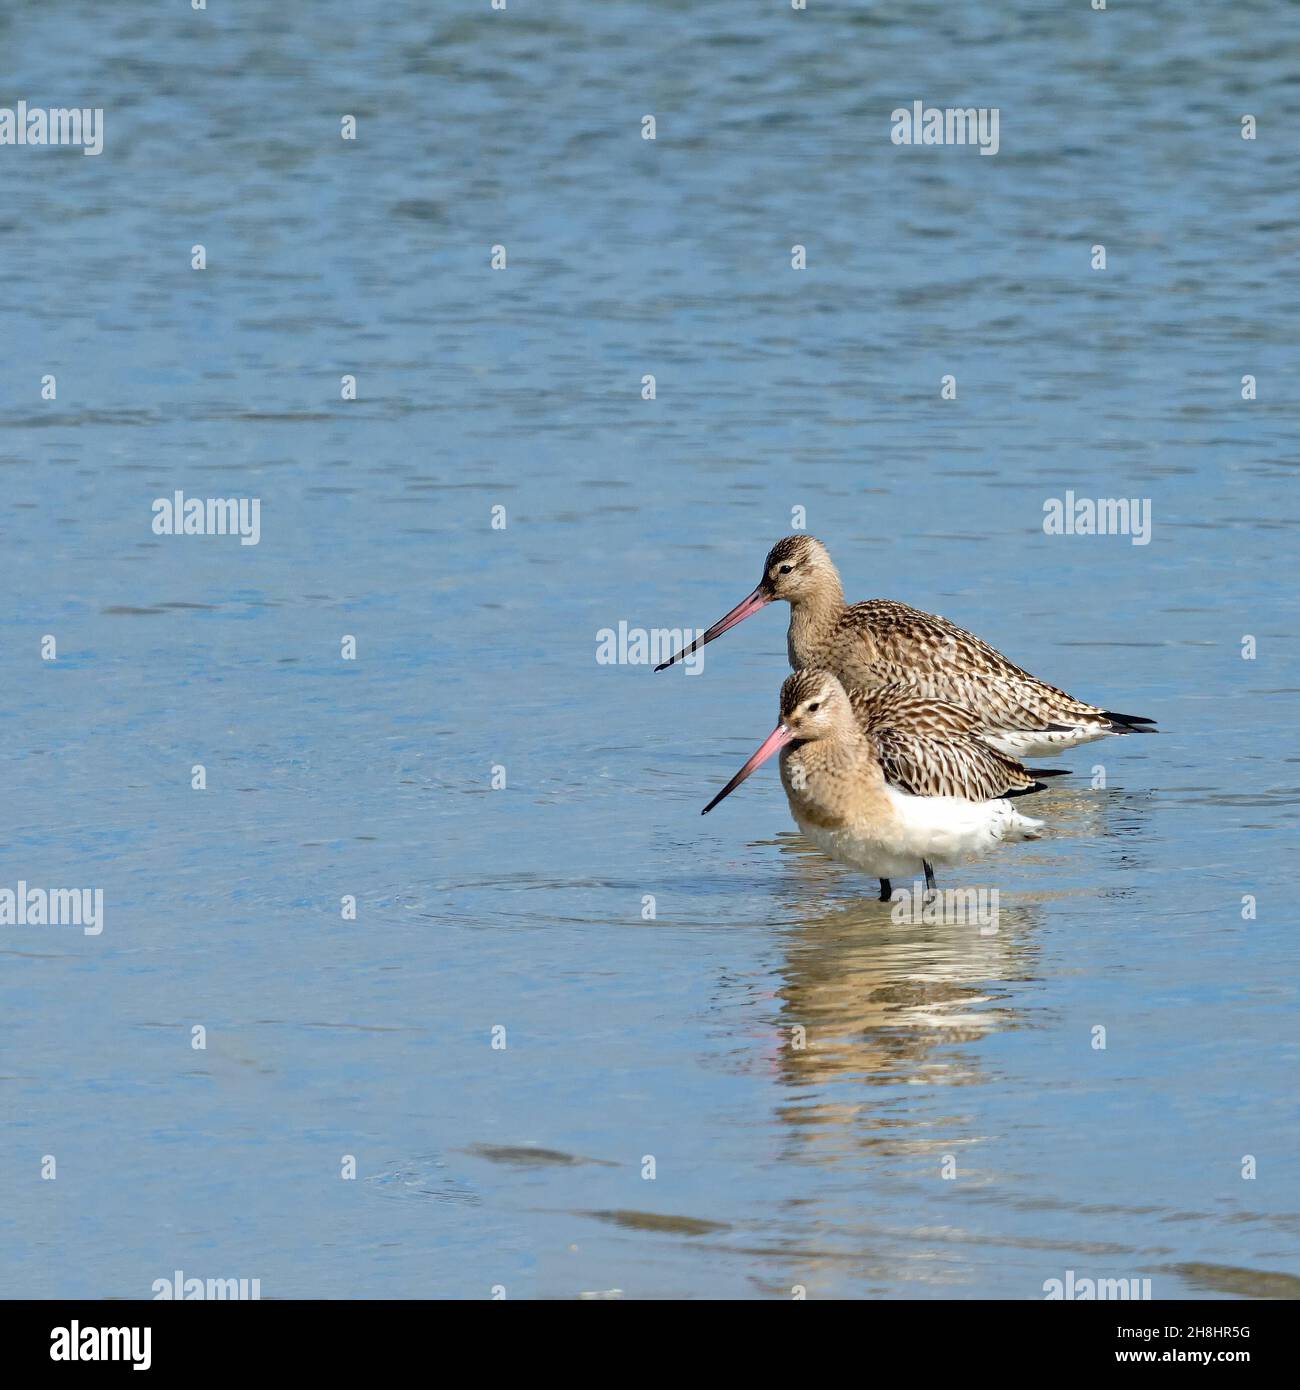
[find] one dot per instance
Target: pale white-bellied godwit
(881, 642)
(891, 782)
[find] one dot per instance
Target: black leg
(886, 892)
(929, 875)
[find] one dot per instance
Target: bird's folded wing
(937, 658)
(932, 748)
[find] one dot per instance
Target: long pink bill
(758, 599)
(777, 739)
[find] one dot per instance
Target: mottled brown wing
(902, 704)
(932, 748)
(940, 659)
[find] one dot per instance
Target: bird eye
(814, 707)
(785, 569)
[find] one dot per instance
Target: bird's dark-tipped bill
(758, 599)
(777, 739)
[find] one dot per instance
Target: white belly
(941, 829)
(1037, 744)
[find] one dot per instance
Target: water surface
(631, 1038)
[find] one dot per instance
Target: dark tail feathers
(1129, 723)
(1039, 786)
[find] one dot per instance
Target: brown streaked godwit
(880, 642)
(891, 782)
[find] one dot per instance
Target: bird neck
(813, 617)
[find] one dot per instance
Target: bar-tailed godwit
(880, 642)
(892, 782)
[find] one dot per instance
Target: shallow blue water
(930, 1048)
